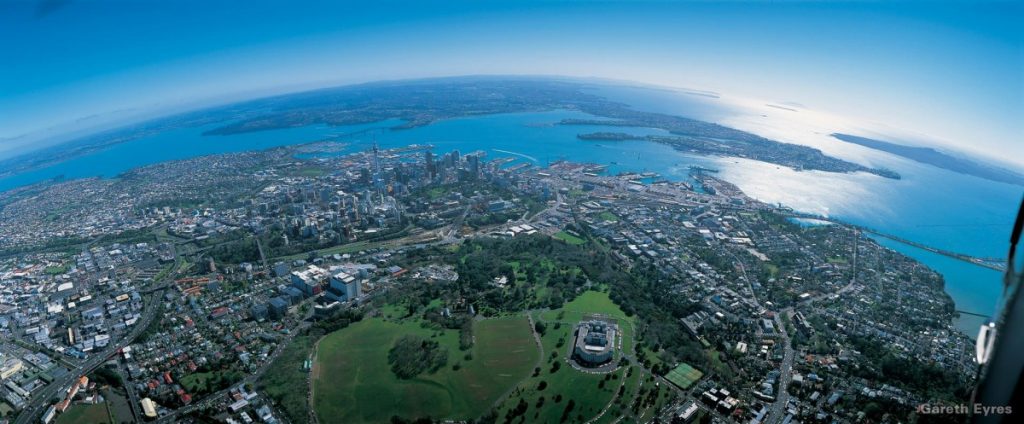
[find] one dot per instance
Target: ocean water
(180, 143)
(929, 205)
(529, 134)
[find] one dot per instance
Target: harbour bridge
(998, 264)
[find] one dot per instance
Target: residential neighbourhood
(183, 312)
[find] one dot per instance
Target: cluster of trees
(235, 252)
(520, 409)
(335, 322)
(285, 381)
(493, 218)
(649, 295)
(480, 261)
(712, 257)
(567, 411)
(107, 376)
(433, 315)
(395, 419)
(935, 382)
(413, 355)
(154, 326)
(564, 271)
(466, 334)
(69, 244)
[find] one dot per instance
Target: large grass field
(568, 238)
(353, 382)
(85, 414)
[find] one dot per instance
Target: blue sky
(953, 70)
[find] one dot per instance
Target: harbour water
(928, 205)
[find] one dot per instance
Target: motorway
(38, 403)
(778, 408)
(41, 399)
(133, 398)
(453, 230)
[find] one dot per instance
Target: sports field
(684, 376)
(85, 414)
(353, 382)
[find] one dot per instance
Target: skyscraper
(474, 166)
(429, 159)
(378, 181)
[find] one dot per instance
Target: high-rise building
(474, 166)
(308, 280)
(429, 159)
(344, 287)
(378, 179)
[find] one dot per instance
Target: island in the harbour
(930, 156)
(724, 141)
(422, 102)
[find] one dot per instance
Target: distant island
(711, 139)
(418, 103)
(930, 156)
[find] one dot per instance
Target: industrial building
(10, 367)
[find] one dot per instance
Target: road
(41, 399)
(38, 403)
(133, 397)
(743, 269)
(778, 408)
(453, 230)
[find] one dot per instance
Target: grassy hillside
(561, 385)
(353, 382)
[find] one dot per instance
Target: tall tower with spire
(378, 181)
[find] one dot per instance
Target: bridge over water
(998, 264)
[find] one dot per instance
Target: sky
(951, 71)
